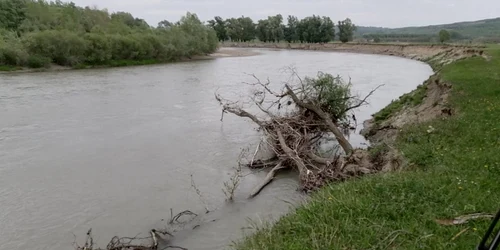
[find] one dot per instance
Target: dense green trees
(444, 36)
(346, 30)
(35, 33)
(219, 25)
(312, 29)
(316, 29)
(240, 29)
(271, 29)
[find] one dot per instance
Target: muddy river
(114, 149)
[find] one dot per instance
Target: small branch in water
(198, 192)
(267, 180)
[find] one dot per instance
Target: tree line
(442, 37)
(36, 33)
(312, 29)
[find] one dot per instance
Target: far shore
(222, 52)
(421, 52)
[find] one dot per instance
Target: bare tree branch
(363, 101)
(267, 180)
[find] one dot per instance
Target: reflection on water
(114, 149)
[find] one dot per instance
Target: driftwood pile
(296, 123)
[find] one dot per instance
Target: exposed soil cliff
(439, 54)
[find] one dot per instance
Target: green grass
(9, 68)
(118, 63)
(453, 171)
(413, 98)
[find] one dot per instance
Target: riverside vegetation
(36, 34)
(452, 169)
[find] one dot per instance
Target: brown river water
(114, 149)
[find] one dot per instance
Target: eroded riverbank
(444, 53)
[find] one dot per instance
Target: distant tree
(310, 29)
(271, 29)
(376, 39)
(219, 25)
(327, 30)
(444, 36)
(241, 29)
(164, 24)
(276, 28)
(346, 30)
(12, 13)
(262, 30)
(291, 30)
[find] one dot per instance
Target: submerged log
(267, 180)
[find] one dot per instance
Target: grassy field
(453, 171)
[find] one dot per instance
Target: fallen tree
(299, 123)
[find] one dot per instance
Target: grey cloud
(387, 13)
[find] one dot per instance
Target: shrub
(36, 61)
(123, 47)
(62, 47)
(10, 54)
(98, 48)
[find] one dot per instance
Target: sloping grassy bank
(453, 170)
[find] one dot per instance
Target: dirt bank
(443, 54)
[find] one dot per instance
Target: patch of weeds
(377, 152)
(9, 68)
(36, 62)
(411, 99)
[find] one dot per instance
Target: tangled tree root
(298, 120)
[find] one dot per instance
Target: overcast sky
(386, 13)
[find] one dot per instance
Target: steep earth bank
(444, 54)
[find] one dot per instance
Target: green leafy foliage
(444, 36)
(331, 93)
(34, 31)
(37, 61)
(219, 25)
(313, 29)
(240, 29)
(346, 30)
(271, 29)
